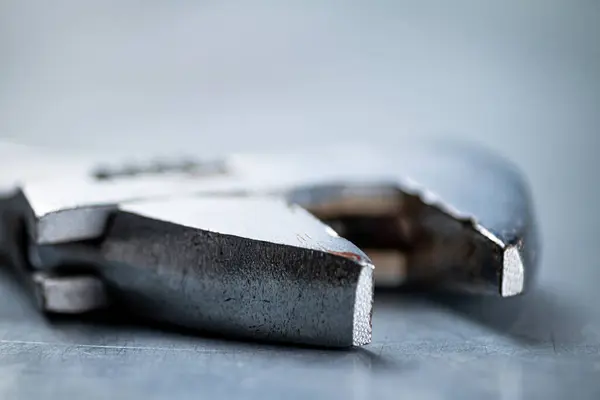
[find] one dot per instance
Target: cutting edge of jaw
(363, 307)
(513, 273)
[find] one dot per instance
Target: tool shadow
(541, 317)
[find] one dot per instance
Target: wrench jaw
(413, 240)
(491, 195)
(250, 268)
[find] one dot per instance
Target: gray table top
(521, 77)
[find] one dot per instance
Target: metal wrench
(468, 238)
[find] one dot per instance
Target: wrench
(457, 218)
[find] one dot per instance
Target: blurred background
(212, 77)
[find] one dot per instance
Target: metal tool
(217, 245)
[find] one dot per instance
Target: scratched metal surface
(521, 77)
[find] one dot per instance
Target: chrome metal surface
(252, 268)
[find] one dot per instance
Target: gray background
(206, 77)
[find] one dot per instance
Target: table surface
(520, 77)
